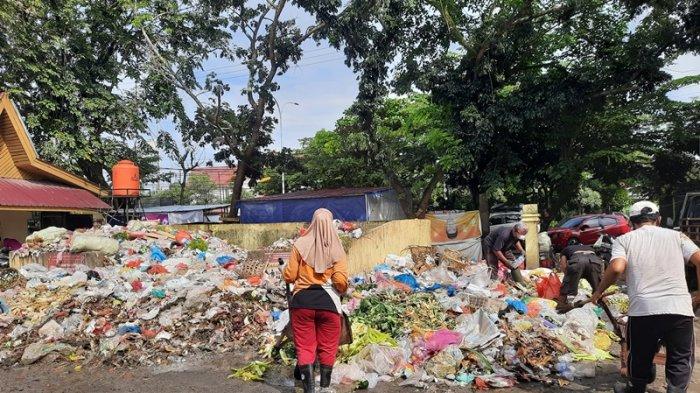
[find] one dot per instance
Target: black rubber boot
(674, 389)
(622, 387)
(326, 372)
(297, 373)
(307, 378)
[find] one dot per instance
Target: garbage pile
(158, 296)
(450, 323)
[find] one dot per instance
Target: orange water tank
(125, 179)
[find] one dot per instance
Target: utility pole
(279, 110)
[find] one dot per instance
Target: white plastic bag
(380, 359)
(106, 245)
(347, 374)
(47, 235)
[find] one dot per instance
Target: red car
(587, 229)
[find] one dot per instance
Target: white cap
(643, 208)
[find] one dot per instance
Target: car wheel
(573, 241)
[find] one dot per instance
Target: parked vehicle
(690, 226)
(587, 229)
(504, 215)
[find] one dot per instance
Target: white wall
(13, 224)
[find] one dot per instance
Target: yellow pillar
(531, 218)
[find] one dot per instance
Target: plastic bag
(380, 359)
(157, 254)
(447, 362)
(549, 287)
(102, 244)
(347, 374)
(439, 275)
(477, 330)
(409, 280)
(582, 321)
(47, 235)
(518, 305)
(441, 339)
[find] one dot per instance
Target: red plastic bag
(549, 287)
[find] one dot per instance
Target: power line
(239, 70)
(301, 65)
(243, 67)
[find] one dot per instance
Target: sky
(323, 87)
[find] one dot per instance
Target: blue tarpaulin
(356, 204)
(350, 208)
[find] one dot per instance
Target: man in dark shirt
(501, 240)
(577, 262)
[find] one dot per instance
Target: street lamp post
(279, 110)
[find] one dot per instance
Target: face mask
(521, 237)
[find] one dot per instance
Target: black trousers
(591, 271)
(644, 335)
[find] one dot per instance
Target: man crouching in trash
(318, 269)
(578, 261)
(498, 242)
(661, 309)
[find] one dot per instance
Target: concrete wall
(392, 237)
(13, 224)
(248, 236)
(379, 238)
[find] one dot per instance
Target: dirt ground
(208, 374)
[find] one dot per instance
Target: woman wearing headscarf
(318, 269)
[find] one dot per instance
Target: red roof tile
(35, 194)
(221, 175)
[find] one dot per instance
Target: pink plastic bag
(437, 341)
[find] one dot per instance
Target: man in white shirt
(661, 308)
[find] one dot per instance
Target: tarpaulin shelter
(185, 214)
(347, 204)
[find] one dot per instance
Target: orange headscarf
(320, 246)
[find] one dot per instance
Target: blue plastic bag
(4, 308)
(157, 254)
(432, 288)
(158, 293)
(518, 305)
(382, 267)
(223, 259)
(126, 329)
(408, 279)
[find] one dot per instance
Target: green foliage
(78, 72)
(199, 190)
(202, 190)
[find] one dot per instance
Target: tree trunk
(238, 186)
(403, 194)
(481, 200)
(183, 184)
(93, 172)
(484, 212)
(428, 195)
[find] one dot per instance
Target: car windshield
(572, 222)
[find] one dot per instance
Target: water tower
(126, 192)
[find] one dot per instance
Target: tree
(267, 44)
(202, 190)
(289, 162)
(76, 70)
(527, 82)
(186, 158)
(413, 144)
